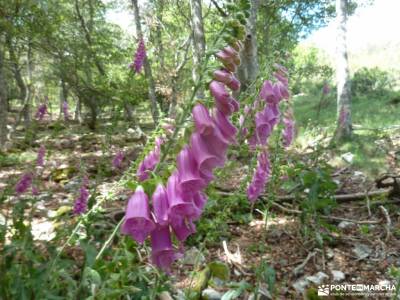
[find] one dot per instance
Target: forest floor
(273, 252)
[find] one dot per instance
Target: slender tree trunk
(16, 70)
(147, 67)
(3, 104)
(29, 86)
(78, 109)
(159, 13)
(344, 126)
(248, 70)
(63, 97)
(199, 42)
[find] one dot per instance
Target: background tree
(344, 126)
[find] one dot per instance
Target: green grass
(368, 113)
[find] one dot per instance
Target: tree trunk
(78, 109)
(3, 104)
(199, 42)
(159, 14)
(16, 70)
(248, 70)
(147, 67)
(344, 127)
(29, 88)
(63, 97)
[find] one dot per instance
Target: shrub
(371, 82)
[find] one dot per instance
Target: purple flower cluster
(150, 161)
(289, 130)
(41, 111)
(65, 110)
(176, 206)
(40, 156)
(24, 183)
(266, 119)
(139, 58)
(260, 177)
(117, 160)
(326, 89)
(80, 205)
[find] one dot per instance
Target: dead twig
(299, 269)
(295, 211)
(388, 222)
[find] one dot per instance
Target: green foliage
(372, 82)
(310, 71)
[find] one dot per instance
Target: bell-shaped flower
(182, 228)
(160, 205)
(163, 253)
(138, 222)
(24, 183)
(117, 160)
(206, 160)
(234, 85)
(223, 100)
(180, 204)
(223, 76)
(199, 200)
(41, 111)
(190, 180)
(228, 130)
(140, 56)
(233, 54)
(288, 132)
(260, 177)
(202, 119)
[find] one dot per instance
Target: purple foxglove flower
(227, 129)
(267, 92)
(265, 122)
(140, 56)
(202, 119)
(235, 57)
(223, 76)
(182, 228)
(288, 131)
(117, 160)
(41, 111)
(65, 110)
(138, 222)
(234, 85)
(189, 176)
(150, 161)
(224, 101)
(284, 90)
(35, 190)
(326, 89)
(180, 204)
(24, 183)
(260, 177)
(148, 164)
(241, 120)
(40, 156)
(246, 109)
(227, 60)
(206, 159)
(80, 205)
(163, 254)
(199, 200)
(160, 205)
(281, 78)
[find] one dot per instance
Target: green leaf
(220, 270)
